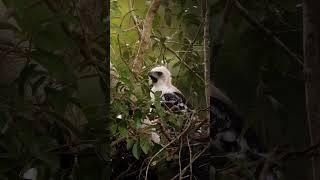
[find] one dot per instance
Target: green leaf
(138, 118)
(123, 131)
(53, 64)
(129, 143)
(114, 128)
(157, 95)
(145, 145)
(156, 21)
(136, 150)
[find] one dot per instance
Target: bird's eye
(159, 73)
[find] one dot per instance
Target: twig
(180, 149)
(244, 12)
(188, 49)
(134, 17)
(141, 169)
(206, 51)
(163, 131)
(307, 150)
(124, 172)
(185, 64)
(190, 158)
(145, 37)
(193, 159)
(163, 148)
(117, 141)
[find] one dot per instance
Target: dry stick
(145, 37)
(194, 159)
(190, 157)
(181, 142)
(189, 47)
(167, 145)
(299, 153)
(206, 50)
(163, 131)
(124, 172)
(117, 141)
(266, 31)
(141, 169)
(184, 56)
(134, 17)
(283, 157)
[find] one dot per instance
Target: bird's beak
(150, 74)
(153, 76)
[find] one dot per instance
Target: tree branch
(145, 37)
(254, 22)
(206, 50)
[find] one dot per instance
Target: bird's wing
(174, 101)
(226, 120)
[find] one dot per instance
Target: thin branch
(180, 166)
(254, 22)
(167, 145)
(190, 158)
(134, 17)
(163, 131)
(206, 50)
(145, 37)
(124, 172)
(193, 159)
(185, 64)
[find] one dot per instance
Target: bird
(30, 174)
(228, 138)
(171, 97)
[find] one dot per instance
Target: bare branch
(145, 37)
(206, 50)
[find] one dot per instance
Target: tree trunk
(311, 35)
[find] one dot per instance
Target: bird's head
(160, 76)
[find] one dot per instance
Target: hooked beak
(153, 77)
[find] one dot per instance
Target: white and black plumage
(227, 125)
(227, 138)
(171, 97)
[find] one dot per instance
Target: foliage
(48, 113)
(171, 45)
(54, 84)
(258, 75)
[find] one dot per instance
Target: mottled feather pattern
(174, 102)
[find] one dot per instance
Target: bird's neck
(164, 88)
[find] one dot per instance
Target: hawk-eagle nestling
(171, 97)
